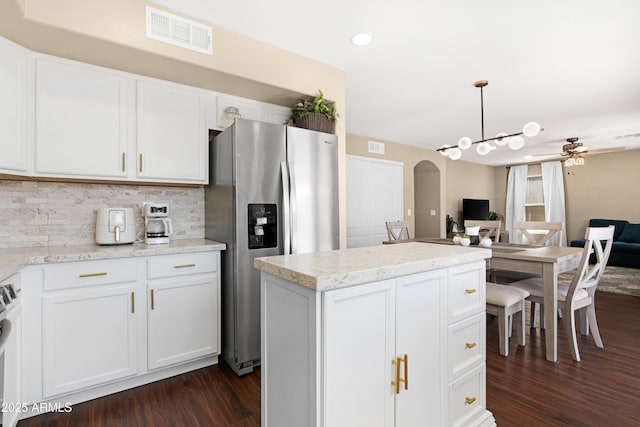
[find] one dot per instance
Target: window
(534, 203)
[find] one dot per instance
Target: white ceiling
(572, 65)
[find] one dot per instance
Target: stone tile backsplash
(51, 213)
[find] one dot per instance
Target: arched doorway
(426, 188)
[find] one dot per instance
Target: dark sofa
(625, 251)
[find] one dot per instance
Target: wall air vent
(178, 31)
(376, 147)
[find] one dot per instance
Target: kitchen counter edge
(329, 270)
(13, 259)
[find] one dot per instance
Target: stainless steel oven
(9, 352)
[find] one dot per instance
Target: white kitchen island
(390, 335)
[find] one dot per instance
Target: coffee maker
(157, 224)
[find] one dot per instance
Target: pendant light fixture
(515, 141)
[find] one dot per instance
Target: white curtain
(516, 197)
(553, 190)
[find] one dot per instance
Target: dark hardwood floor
(522, 389)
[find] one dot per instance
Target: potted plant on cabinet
(317, 114)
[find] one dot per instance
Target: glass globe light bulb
(464, 143)
(502, 141)
(531, 129)
(483, 148)
(516, 142)
(445, 152)
(454, 153)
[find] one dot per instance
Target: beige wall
(607, 186)
(410, 156)
(112, 34)
(465, 180)
(458, 179)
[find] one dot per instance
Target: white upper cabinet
(249, 109)
(13, 106)
(172, 132)
(81, 120)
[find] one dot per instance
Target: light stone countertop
(13, 259)
(346, 267)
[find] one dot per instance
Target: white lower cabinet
(89, 337)
(184, 317)
(94, 327)
(378, 334)
(88, 324)
(397, 352)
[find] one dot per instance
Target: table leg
(550, 278)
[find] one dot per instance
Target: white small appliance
(115, 226)
(157, 224)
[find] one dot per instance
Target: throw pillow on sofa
(630, 233)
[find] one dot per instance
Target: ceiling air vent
(376, 147)
(178, 31)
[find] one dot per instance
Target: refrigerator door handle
(293, 210)
(285, 209)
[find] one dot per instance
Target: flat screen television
(475, 209)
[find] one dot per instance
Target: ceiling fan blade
(550, 154)
(602, 150)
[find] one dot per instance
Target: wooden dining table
(548, 261)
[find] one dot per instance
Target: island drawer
(466, 345)
(69, 275)
(179, 265)
(466, 291)
(467, 397)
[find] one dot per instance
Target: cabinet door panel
(359, 347)
(172, 135)
(183, 319)
(89, 338)
(13, 106)
(81, 120)
(419, 332)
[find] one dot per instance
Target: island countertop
(346, 267)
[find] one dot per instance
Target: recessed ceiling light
(361, 39)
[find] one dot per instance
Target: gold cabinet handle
(140, 162)
(469, 400)
(405, 359)
(123, 161)
(102, 273)
(133, 302)
(470, 345)
(153, 303)
(469, 291)
(184, 266)
(396, 362)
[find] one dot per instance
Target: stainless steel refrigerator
(273, 190)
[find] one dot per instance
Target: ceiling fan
(575, 150)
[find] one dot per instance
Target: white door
(374, 196)
(420, 322)
(183, 317)
(89, 337)
(359, 347)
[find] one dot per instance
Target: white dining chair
(539, 232)
(398, 230)
(579, 294)
(507, 303)
(489, 229)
